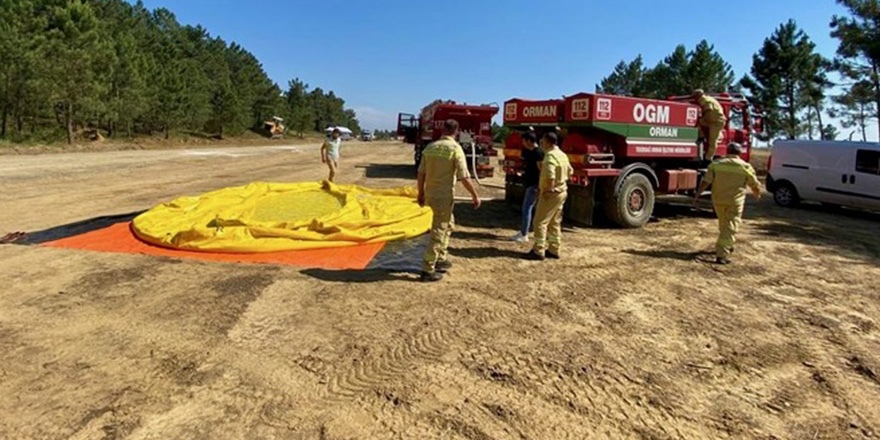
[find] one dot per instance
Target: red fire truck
(625, 151)
(475, 138)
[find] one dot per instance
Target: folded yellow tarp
(272, 217)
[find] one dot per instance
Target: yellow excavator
(275, 127)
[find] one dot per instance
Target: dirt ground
(631, 336)
(176, 142)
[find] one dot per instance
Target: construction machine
(275, 127)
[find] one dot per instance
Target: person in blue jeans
(532, 156)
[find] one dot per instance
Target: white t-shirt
(333, 146)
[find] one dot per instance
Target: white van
(836, 173)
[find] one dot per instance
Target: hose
(474, 162)
(474, 166)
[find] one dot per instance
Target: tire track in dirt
(479, 409)
(606, 395)
(845, 370)
(372, 374)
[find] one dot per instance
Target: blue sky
(386, 56)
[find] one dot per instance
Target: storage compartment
(672, 181)
(668, 181)
(687, 180)
(580, 204)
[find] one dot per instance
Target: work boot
(443, 266)
(722, 261)
(431, 277)
(553, 256)
(534, 256)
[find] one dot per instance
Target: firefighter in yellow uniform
(729, 178)
(556, 171)
(443, 164)
(712, 121)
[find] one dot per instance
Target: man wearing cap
(729, 178)
(443, 164)
(553, 190)
(712, 121)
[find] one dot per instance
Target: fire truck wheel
(633, 205)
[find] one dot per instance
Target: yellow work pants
(548, 222)
(713, 136)
(729, 219)
(441, 231)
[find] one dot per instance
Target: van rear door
(865, 185)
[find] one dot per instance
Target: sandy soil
(630, 336)
(152, 143)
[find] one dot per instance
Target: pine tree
(707, 70)
(78, 54)
(858, 56)
(678, 74)
(670, 76)
(856, 108)
(300, 113)
(22, 68)
(786, 80)
(119, 67)
(627, 79)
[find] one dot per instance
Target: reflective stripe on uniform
(439, 153)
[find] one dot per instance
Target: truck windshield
(737, 122)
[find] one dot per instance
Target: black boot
(443, 266)
(534, 256)
(431, 277)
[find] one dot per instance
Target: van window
(868, 162)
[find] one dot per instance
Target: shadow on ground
(846, 230)
(675, 210)
(358, 276)
(494, 214)
(669, 254)
(73, 229)
(498, 214)
(478, 236)
(389, 171)
(482, 253)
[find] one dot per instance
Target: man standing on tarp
(443, 164)
(330, 153)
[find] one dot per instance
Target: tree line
(789, 80)
(116, 67)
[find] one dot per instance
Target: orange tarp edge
(120, 239)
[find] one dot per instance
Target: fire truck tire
(633, 206)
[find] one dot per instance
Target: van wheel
(634, 205)
(786, 195)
